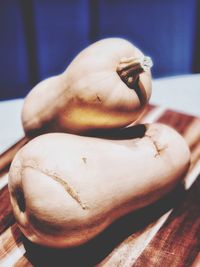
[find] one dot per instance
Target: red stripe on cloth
(9, 240)
(6, 214)
(179, 121)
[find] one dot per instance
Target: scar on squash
(158, 147)
(68, 188)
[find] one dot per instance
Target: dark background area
(39, 38)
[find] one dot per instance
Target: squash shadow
(129, 132)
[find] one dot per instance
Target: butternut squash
(106, 86)
(65, 189)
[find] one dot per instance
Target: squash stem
(130, 68)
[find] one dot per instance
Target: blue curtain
(39, 38)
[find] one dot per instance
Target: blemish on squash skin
(68, 188)
(158, 147)
(98, 98)
(84, 160)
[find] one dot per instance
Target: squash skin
(73, 187)
(88, 95)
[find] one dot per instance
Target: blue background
(39, 38)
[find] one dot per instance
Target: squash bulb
(106, 86)
(66, 189)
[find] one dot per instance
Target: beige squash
(106, 86)
(66, 189)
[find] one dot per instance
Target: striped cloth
(166, 233)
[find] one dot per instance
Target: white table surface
(181, 93)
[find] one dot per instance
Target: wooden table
(166, 233)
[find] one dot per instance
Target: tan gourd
(66, 189)
(106, 86)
